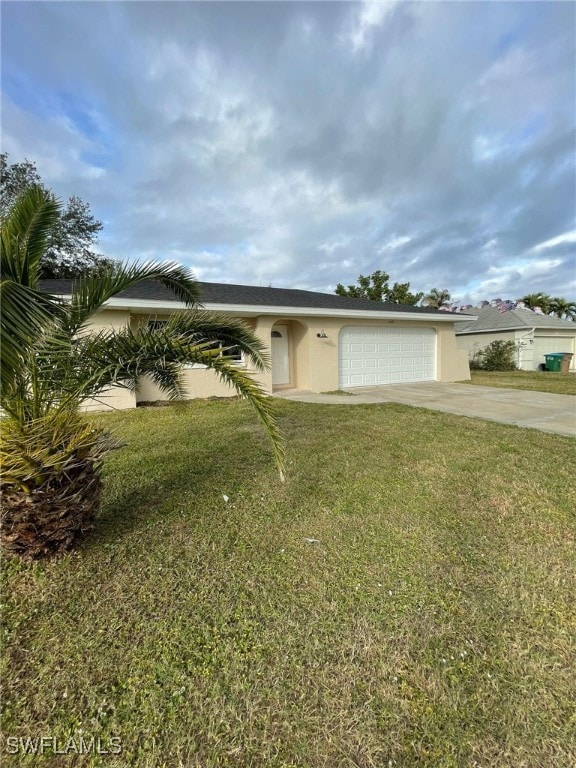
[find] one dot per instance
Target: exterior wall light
(322, 335)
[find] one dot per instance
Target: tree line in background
(69, 254)
(376, 287)
(74, 232)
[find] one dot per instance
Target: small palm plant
(52, 363)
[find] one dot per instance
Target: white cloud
(565, 239)
(372, 13)
(245, 140)
(516, 63)
(395, 242)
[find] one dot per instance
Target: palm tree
(563, 308)
(23, 238)
(542, 300)
(52, 363)
(437, 298)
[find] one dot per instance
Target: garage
(368, 356)
(544, 345)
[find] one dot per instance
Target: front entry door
(280, 355)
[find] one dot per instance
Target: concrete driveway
(535, 410)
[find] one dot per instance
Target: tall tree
(563, 308)
(542, 300)
(400, 294)
(376, 288)
(51, 454)
(68, 251)
(437, 298)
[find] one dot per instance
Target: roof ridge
(520, 318)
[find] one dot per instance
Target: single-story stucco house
(317, 342)
(534, 334)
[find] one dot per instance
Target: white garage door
(544, 345)
(370, 356)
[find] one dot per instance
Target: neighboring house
(534, 334)
(317, 341)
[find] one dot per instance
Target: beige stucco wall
(198, 382)
(114, 398)
(313, 360)
(452, 362)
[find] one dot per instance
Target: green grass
(548, 381)
(406, 598)
(338, 392)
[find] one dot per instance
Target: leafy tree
(376, 288)
(68, 252)
(400, 294)
(437, 298)
(51, 454)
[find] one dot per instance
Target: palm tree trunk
(52, 518)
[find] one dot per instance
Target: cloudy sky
(302, 144)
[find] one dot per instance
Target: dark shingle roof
(250, 295)
(490, 319)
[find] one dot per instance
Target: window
(233, 353)
(156, 325)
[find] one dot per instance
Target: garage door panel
(370, 356)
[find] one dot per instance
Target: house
(535, 334)
(317, 341)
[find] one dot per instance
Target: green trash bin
(554, 361)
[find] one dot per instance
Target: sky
(300, 145)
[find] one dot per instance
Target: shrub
(497, 356)
(476, 361)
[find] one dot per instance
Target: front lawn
(406, 599)
(548, 381)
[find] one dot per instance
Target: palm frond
(90, 293)
(24, 235)
(200, 326)
(24, 310)
(46, 448)
(109, 358)
(262, 403)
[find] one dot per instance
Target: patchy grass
(547, 381)
(405, 599)
(339, 392)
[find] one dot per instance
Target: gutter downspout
(531, 331)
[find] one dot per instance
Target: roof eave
(493, 330)
(527, 328)
(247, 310)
